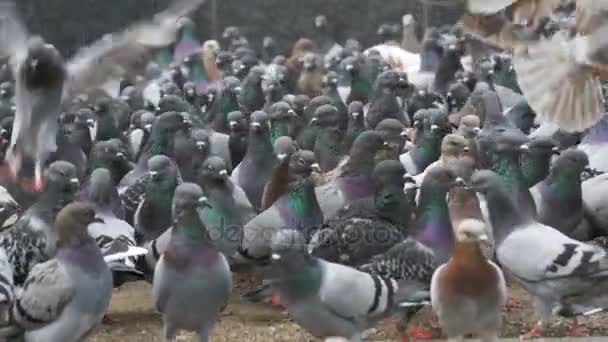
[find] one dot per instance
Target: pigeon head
(571, 162)
(326, 116)
(441, 179)
(301, 164)
(268, 42)
(259, 122)
(388, 32)
(330, 80)
(321, 21)
(454, 145)
(281, 111)
(214, 169)
(84, 118)
(423, 99)
(161, 167)
(511, 142)
(169, 123)
(7, 90)
(469, 126)
(457, 97)
(172, 103)
(202, 140)
(186, 26)
(367, 149)
(316, 102)
(408, 21)
(103, 106)
(355, 110)
(189, 90)
(72, 222)
(284, 147)
(522, 116)
(486, 181)
(351, 65)
(100, 183)
(237, 121)
(394, 132)
(231, 32)
(61, 176)
(43, 67)
(299, 103)
(463, 167)
(224, 59)
(471, 230)
(388, 173)
(287, 243)
(541, 147)
(389, 80)
(109, 154)
(187, 199)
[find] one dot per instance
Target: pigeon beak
(484, 238)
(98, 220)
(466, 149)
(282, 156)
(91, 122)
(153, 174)
(434, 128)
(275, 256)
(403, 134)
(34, 63)
(421, 92)
(2, 92)
(313, 121)
(238, 90)
(476, 130)
(190, 92)
(121, 155)
(204, 202)
(588, 169)
(148, 127)
(555, 150)
(292, 112)
(223, 173)
(232, 124)
(256, 126)
(74, 181)
(524, 147)
(349, 67)
(459, 182)
(201, 145)
(315, 168)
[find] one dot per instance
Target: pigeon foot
(536, 332)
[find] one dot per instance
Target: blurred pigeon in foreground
(65, 298)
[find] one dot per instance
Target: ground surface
(135, 320)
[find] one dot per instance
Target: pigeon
(190, 298)
(190, 152)
(384, 103)
(522, 116)
(139, 132)
(394, 133)
(361, 85)
(594, 145)
(558, 198)
(556, 273)
(112, 155)
(114, 236)
(45, 80)
(297, 209)
(409, 40)
(593, 203)
(429, 61)
(354, 180)
(359, 232)
(284, 148)
(152, 216)
(321, 308)
(187, 43)
(252, 97)
(32, 239)
(308, 135)
(356, 124)
(255, 170)
(106, 124)
(434, 126)
(453, 147)
(80, 134)
(423, 99)
(330, 89)
(229, 209)
(226, 103)
(311, 76)
(65, 298)
(469, 129)
(536, 159)
(239, 134)
(281, 120)
(470, 286)
(328, 138)
(448, 66)
(573, 104)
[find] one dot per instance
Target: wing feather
(120, 53)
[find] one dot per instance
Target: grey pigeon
(254, 171)
(190, 298)
(558, 198)
(45, 80)
(549, 265)
(152, 216)
(384, 103)
(297, 209)
(536, 159)
(339, 301)
(354, 180)
(32, 239)
(65, 298)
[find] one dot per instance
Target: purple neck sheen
(598, 133)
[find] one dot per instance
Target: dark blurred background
(72, 23)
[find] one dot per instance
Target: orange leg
(578, 329)
(536, 332)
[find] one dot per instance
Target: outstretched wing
(116, 54)
(13, 34)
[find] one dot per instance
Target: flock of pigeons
(355, 184)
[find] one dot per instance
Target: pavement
(548, 339)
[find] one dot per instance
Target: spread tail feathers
(558, 88)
